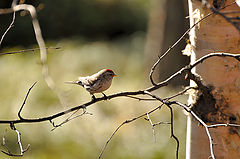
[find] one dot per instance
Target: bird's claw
(105, 97)
(93, 98)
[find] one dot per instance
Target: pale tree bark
(222, 76)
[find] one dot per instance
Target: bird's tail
(74, 82)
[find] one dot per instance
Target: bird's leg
(105, 97)
(93, 98)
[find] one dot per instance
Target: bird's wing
(88, 81)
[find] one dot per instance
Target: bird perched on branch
(96, 83)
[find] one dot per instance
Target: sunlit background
(92, 34)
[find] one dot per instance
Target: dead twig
(153, 130)
(24, 101)
(71, 117)
(26, 50)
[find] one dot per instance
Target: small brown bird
(96, 83)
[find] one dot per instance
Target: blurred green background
(93, 34)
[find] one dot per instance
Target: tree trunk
(222, 75)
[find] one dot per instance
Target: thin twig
(172, 131)
(105, 145)
(9, 27)
(153, 130)
(71, 117)
(153, 126)
(180, 93)
(161, 122)
(141, 99)
(24, 101)
(26, 50)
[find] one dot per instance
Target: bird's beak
(114, 75)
